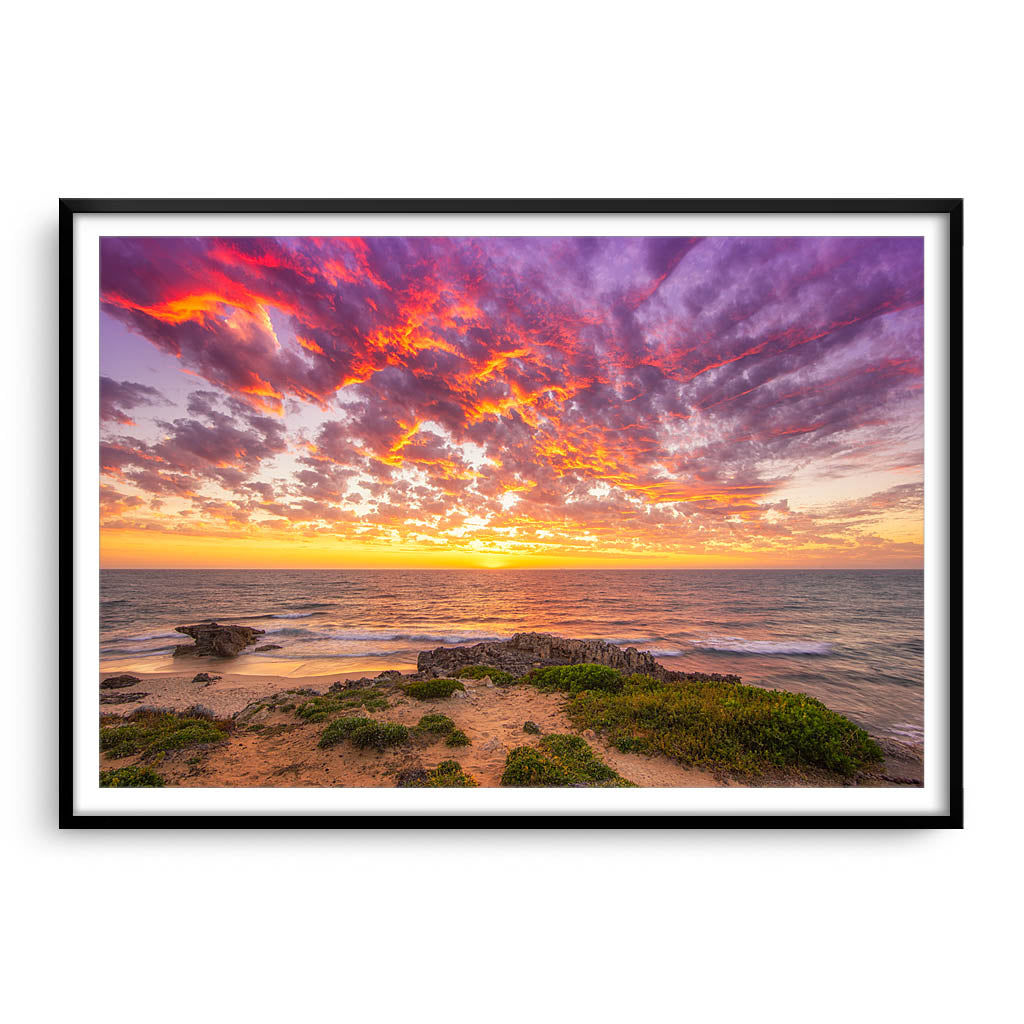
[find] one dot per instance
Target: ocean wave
(143, 637)
(116, 652)
(907, 731)
(738, 645)
(664, 652)
(440, 638)
(385, 636)
(288, 615)
(287, 654)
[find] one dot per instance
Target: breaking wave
(737, 645)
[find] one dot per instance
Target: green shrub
(457, 738)
(527, 766)
(319, 709)
(440, 724)
(447, 775)
(364, 733)
(498, 676)
(558, 761)
(726, 725)
(425, 689)
(378, 735)
(148, 732)
(133, 775)
(576, 678)
(531, 727)
(340, 729)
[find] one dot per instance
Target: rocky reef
(527, 651)
(214, 640)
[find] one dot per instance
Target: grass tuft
(149, 732)
(457, 738)
(426, 689)
(364, 733)
(440, 724)
(319, 709)
(725, 725)
(132, 775)
(532, 728)
(559, 760)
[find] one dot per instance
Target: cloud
(629, 393)
(118, 397)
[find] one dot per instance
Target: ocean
(853, 639)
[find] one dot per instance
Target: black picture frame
(949, 208)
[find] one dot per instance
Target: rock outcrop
(213, 639)
(117, 682)
(204, 677)
(122, 698)
(268, 647)
(526, 651)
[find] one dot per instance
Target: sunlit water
(854, 639)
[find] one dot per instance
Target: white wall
(548, 99)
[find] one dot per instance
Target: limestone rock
(268, 647)
(526, 651)
(536, 650)
(204, 677)
(213, 639)
(117, 682)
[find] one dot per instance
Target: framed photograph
(546, 513)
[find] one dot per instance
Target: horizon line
(514, 568)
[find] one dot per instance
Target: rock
(530, 650)
(269, 647)
(351, 684)
(204, 677)
(116, 682)
(213, 639)
(526, 651)
(122, 698)
(391, 673)
(531, 727)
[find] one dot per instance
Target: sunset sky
(612, 402)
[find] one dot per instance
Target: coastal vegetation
(457, 738)
(447, 775)
(364, 733)
(700, 720)
(151, 732)
(559, 760)
(723, 725)
(440, 724)
(319, 709)
(132, 775)
(575, 678)
(427, 689)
